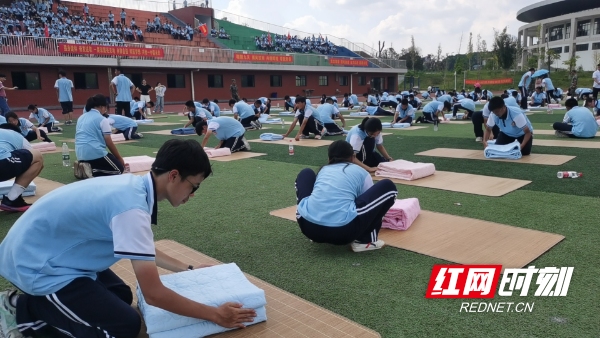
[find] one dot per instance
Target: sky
(431, 22)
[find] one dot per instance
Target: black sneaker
(18, 205)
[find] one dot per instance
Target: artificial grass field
(229, 219)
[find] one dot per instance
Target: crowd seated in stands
(281, 43)
(221, 34)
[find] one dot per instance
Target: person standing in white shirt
(160, 97)
(596, 77)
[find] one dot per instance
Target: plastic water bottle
(66, 155)
(282, 124)
(549, 111)
(291, 147)
(568, 174)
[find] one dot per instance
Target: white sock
(15, 192)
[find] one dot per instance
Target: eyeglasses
(194, 187)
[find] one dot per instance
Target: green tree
(505, 49)
(470, 50)
(571, 63)
(551, 56)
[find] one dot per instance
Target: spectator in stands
(111, 19)
(174, 5)
(132, 25)
(86, 10)
(140, 35)
(123, 16)
(156, 23)
(213, 32)
(160, 97)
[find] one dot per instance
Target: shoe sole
(13, 209)
(383, 246)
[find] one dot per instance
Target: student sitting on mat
(466, 104)
(579, 122)
(212, 107)
(59, 255)
(290, 103)
(124, 125)
(433, 111)
(405, 113)
(19, 161)
(246, 114)
(227, 130)
(92, 137)
(414, 101)
(371, 100)
(513, 125)
(44, 118)
(326, 111)
(309, 119)
(376, 111)
(28, 130)
(538, 98)
(353, 213)
(196, 114)
(365, 138)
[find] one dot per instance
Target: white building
(569, 27)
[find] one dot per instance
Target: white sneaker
(479, 139)
(358, 247)
(559, 134)
(140, 135)
(453, 118)
(317, 137)
(303, 137)
(8, 316)
(246, 143)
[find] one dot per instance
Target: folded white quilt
(117, 137)
(211, 286)
(511, 151)
(144, 121)
(405, 170)
(395, 125)
(458, 115)
(212, 152)
(7, 185)
(139, 163)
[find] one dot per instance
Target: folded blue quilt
(458, 115)
(362, 113)
(7, 185)
(510, 151)
(286, 114)
(226, 112)
(144, 121)
(183, 131)
(267, 120)
(211, 286)
(395, 125)
(271, 137)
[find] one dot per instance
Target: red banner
(263, 58)
(203, 29)
(347, 62)
(110, 50)
(489, 82)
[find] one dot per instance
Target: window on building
(582, 47)
(343, 80)
(215, 81)
(583, 28)
(175, 81)
(323, 80)
(275, 80)
(568, 31)
(135, 78)
(597, 26)
(362, 80)
(27, 81)
(566, 49)
(556, 50)
(247, 80)
(85, 80)
(595, 45)
(300, 81)
(556, 33)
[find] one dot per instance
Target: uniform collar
(151, 197)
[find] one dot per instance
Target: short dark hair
(301, 99)
(495, 103)
(340, 151)
(244, 99)
(199, 126)
(97, 100)
(572, 102)
(150, 103)
(412, 96)
(119, 69)
(286, 97)
(136, 98)
(62, 72)
(11, 115)
(216, 101)
(365, 94)
(232, 102)
(31, 107)
(189, 104)
(515, 93)
(404, 102)
(370, 125)
(185, 156)
(258, 101)
(532, 69)
(329, 99)
(205, 101)
(447, 105)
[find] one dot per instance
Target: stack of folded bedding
(405, 170)
(212, 152)
(271, 137)
(402, 214)
(183, 131)
(511, 151)
(139, 163)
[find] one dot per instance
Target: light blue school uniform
(123, 88)
(460, 97)
(371, 109)
(409, 111)
(356, 137)
(243, 110)
(510, 125)
(263, 100)
(323, 208)
(467, 104)
(524, 83)
(53, 244)
(25, 126)
(372, 99)
(354, 99)
(9, 142)
(548, 82)
(227, 127)
(203, 113)
(384, 97)
(583, 122)
(425, 95)
(3, 120)
(509, 101)
(111, 17)
(325, 111)
(89, 136)
(42, 115)
(538, 97)
(64, 86)
(433, 107)
(122, 122)
(123, 14)
(214, 108)
(445, 98)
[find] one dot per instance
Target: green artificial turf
(229, 220)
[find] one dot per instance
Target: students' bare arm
(37, 133)
(219, 145)
(526, 137)
(206, 137)
(113, 148)
(112, 86)
(167, 262)
(343, 121)
(364, 166)
(302, 126)
(383, 152)
(292, 126)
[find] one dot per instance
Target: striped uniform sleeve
(567, 118)
(132, 235)
(356, 142)
(105, 127)
(520, 121)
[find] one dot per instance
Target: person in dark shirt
(145, 90)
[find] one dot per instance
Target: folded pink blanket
(44, 146)
(139, 163)
(211, 152)
(117, 137)
(405, 170)
(554, 105)
(402, 214)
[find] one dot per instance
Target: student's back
(226, 127)
(9, 142)
(243, 109)
(583, 122)
(89, 136)
(332, 202)
(325, 111)
(122, 122)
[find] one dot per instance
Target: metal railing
(33, 46)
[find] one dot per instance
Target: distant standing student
(365, 138)
(523, 85)
(233, 87)
(547, 83)
(64, 92)
(123, 89)
(123, 16)
(513, 124)
(340, 205)
(596, 78)
(578, 122)
(144, 89)
(160, 97)
(3, 101)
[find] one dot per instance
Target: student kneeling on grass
(593, 104)
(124, 125)
(376, 111)
(92, 137)
(327, 111)
(405, 113)
(364, 138)
(579, 122)
(28, 130)
(196, 113)
(246, 114)
(18, 161)
(513, 124)
(60, 259)
(212, 107)
(227, 130)
(44, 118)
(309, 119)
(354, 212)
(433, 111)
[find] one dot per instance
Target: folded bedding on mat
(212, 286)
(212, 152)
(44, 146)
(183, 131)
(117, 137)
(144, 121)
(511, 151)
(555, 106)
(405, 170)
(5, 187)
(458, 115)
(227, 112)
(266, 120)
(343, 108)
(402, 214)
(361, 113)
(139, 163)
(395, 125)
(286, 114)
(271, 137)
